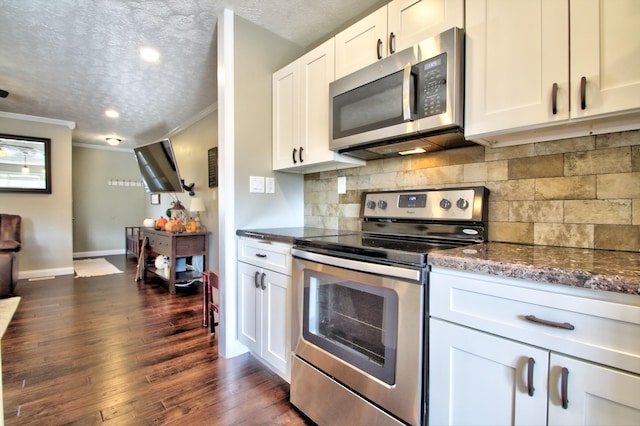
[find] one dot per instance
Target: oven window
(354, 321)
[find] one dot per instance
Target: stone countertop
(286, 235)
(616, 271)
(7, 309)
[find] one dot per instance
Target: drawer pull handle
(563, 325)
(255, 279)
(261, 255)
(564, 385)
(262, 281)
(530, 388)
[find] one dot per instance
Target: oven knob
(371, 204)
(382, 204)
(462, 203)
(445, 204)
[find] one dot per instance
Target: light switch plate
(270, 185)
(256, 184)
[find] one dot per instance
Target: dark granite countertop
(616, 271)
(286, 235)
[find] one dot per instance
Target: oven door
(364, 330)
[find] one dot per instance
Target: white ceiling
(73, 59)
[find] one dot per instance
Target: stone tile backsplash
(581, 192)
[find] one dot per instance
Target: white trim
(70, 124)
(38, 273)
(80, 254)
(228, 343)
(103, 147)
(193, 120)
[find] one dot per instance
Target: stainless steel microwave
(411, 101)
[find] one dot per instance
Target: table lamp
(197, 206)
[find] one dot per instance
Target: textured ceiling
(73, 59)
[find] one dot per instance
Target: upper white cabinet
(535, 64)
(605, 54)
(398, 25)
(362, 43)
(301, 115)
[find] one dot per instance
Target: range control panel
(430, 204)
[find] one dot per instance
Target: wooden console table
(174, 246)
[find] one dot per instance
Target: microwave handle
(407, 95)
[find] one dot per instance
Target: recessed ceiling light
(112, 113)
(114, 141)
(149, 54)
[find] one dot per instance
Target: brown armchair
(10, 244)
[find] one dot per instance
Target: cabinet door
(276, 322)
(596, 395)
(286, 113)
(411, 21)
(362, 44)
(477, 378)
(515, 52)
(316, 72)
(249, 307)
(605, 41)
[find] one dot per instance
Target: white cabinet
(301, 115)
(362, 43)
(498, 347)
(264, 301)
(526, 61)
(476, 378)
(396, 26)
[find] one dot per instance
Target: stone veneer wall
(582, 192)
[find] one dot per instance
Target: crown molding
(191, 121)
(70, 124)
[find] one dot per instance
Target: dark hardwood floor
(106, 349)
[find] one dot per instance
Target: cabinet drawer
(160, 244)
(605, 326)
(265, 254)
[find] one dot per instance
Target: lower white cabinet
(264, 302)
(502, 354)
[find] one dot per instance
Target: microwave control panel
(432, 86)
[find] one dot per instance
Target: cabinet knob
(392, 42)
(379, 49)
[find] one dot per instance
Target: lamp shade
(197, 205)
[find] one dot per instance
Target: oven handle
(372, 268)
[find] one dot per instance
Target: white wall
(247, 57)
(47, 245)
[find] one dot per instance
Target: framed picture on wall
(213, 167)
(155, 198)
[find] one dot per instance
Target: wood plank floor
(88, 351)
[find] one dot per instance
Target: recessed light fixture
(114, 141)
(149, 54)
(112, 113)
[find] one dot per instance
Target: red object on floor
(209, 299)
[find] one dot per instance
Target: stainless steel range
(360, 306)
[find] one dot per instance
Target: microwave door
(375, 105)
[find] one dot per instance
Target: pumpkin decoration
(160, 223)
(174, 226)
(191, 225)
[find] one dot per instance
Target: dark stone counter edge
(548, 275)
(267, 237)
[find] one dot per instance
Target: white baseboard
(45, 273)
(97, 253)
